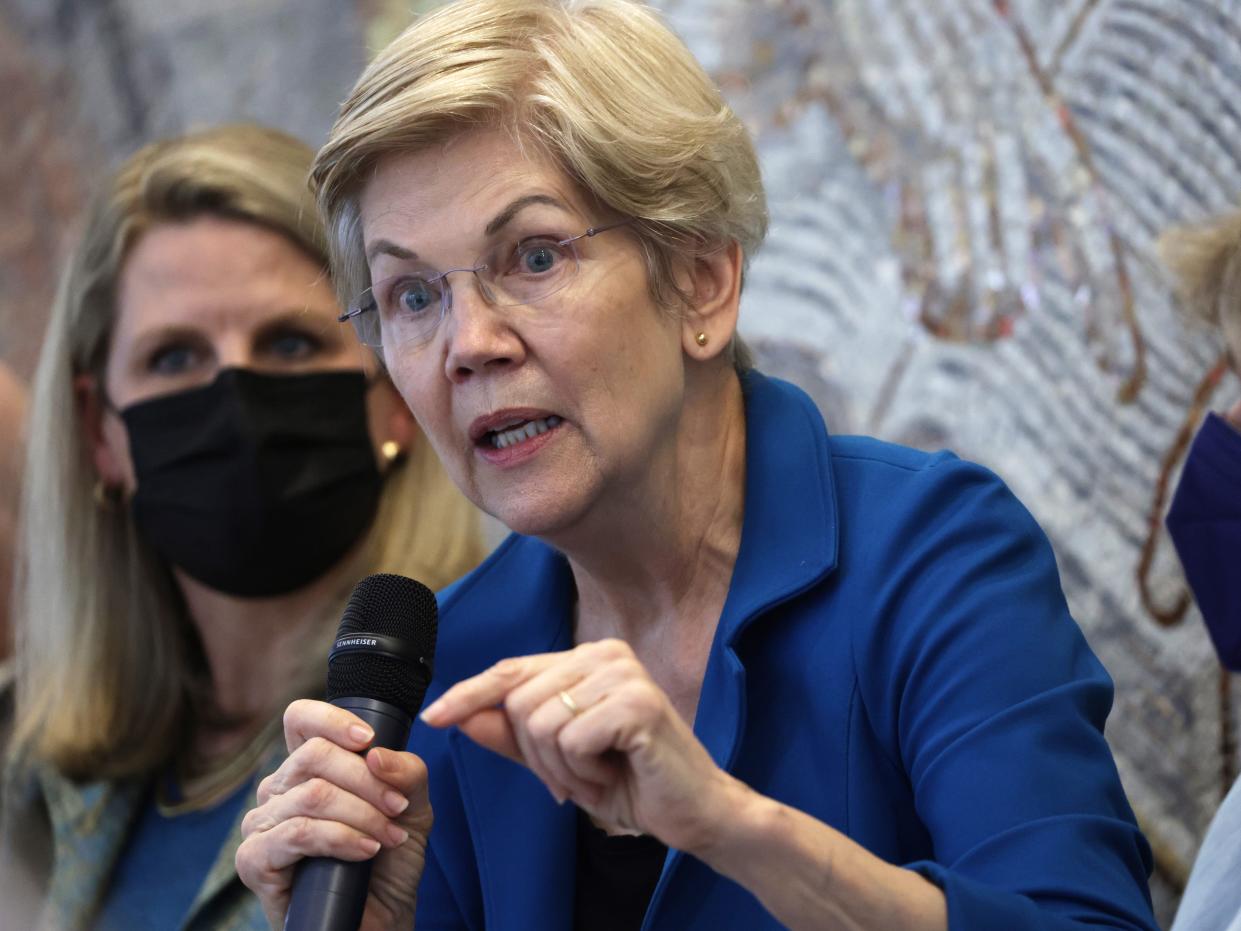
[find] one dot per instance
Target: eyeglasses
(407, 308)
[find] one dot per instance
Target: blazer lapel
(788, 544)
(223, 872)
(513, 819)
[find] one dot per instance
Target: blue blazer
(895, 657)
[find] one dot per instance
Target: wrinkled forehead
(457, 193)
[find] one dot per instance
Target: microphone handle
(330, 894)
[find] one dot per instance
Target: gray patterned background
(965, 197)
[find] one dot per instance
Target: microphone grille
(394, 607)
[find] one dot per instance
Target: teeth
(531, 428)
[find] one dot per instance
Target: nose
(234, 351)
(480, 336)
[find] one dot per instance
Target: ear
(711, 319)
(91, 410)
(390, 419)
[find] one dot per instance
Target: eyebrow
(505, 216)
(146, 342)
(501, 220)
(388, 247)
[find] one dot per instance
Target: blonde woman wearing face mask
(213, 464)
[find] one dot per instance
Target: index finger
(305, 718)
(485, 690)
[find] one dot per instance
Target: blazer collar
(788, 541)
(524, 842)
(91, 824)
(788, 544)
(789, 534)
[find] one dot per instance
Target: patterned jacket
(60, 840)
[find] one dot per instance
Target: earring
(701, 339)
(106, 497)
(390, 450)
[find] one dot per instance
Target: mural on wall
(86, 82)
(965, 197)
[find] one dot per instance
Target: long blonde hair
(603, 87)
(110, 674)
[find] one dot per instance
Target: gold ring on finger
(567, 700)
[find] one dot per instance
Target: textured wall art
(86, 82)
(965, 196)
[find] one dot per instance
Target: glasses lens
(407, 309)
(526, 271)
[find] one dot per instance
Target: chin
(528, 523)
(535, 515)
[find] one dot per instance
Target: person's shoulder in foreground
(1212, 899)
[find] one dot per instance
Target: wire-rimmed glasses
(407, 308)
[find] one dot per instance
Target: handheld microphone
(379, 669)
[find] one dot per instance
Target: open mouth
(519, 432)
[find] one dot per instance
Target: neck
(255, 647)
(654, 566)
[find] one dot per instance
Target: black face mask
(255, 485)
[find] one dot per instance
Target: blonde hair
(1205, 261)
(600, 86)
(110, 676)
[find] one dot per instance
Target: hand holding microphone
(329, 809)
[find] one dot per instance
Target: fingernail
(388, 760)
(397, 835)
(361, 733)
(369, 846)
(395, 803)
(432, 712)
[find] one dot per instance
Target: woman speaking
(784, 678)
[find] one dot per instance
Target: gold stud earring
(701, 339)
(390, 450)
(106, 497)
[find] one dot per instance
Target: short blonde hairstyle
(110, 675)
(1205, 261)
(602, 87)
